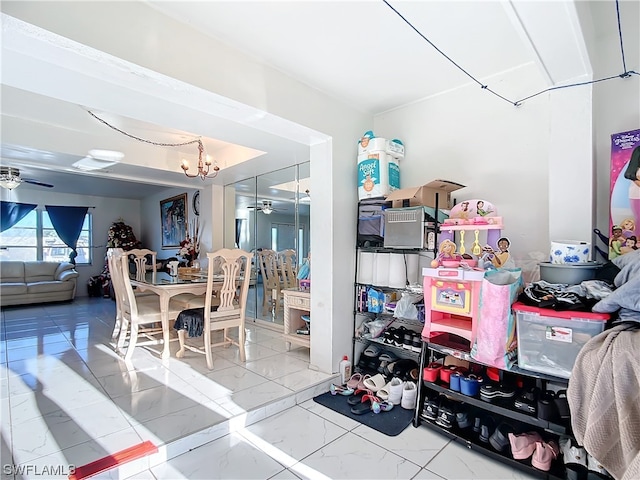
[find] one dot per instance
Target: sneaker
(545, 454)
(430, 411)
(490, 393)
(396, 386)
(409, 395)
(523, 446)
(416, 344)
(408, 341)
(446, 416)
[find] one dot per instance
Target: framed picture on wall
(173, 220)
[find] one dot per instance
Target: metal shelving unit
(501, 409)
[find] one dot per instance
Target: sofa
(36, 282)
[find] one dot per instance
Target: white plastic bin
(549, 341)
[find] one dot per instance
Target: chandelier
(203, 167)
(10, 177)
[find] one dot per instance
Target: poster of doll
(624, 218)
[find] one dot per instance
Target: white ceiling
(361, 52)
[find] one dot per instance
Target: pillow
(627, 296)
(626, 259)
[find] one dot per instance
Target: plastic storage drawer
(549, 341)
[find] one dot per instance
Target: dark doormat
(390, 423)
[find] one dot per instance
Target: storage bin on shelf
(451, 298)
(549, 340)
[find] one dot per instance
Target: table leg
(164, 313)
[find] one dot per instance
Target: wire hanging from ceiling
(626, 73)
(203, 167)
(159, 144)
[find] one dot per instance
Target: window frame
(39, 237)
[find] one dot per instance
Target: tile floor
(66, 398)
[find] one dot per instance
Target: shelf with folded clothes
(471, 440)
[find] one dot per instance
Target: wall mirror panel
(272, 215)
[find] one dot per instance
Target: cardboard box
(425, 195)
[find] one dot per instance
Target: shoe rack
(495, 412)
(400, 336)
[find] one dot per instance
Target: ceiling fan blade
(36, 182)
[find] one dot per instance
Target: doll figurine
(497, 259)
(447, 251)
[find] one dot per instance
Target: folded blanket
(604, 398)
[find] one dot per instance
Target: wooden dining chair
(287, 265)
(114, 256)
(136, 312)
(141, 262)
(230, 287)
(271, 281)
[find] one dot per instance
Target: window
(34, 238)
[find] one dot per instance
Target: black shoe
(527, 401)
(408, 341)
(431, 408)
(446, 415)
(476, 424)
(463, 420)
(486, 429)
(398, 336)
(490, 393)
(500, 438)
(416, 344)
(562, 405)
(547, 409)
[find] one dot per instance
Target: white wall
(497, 150)
(107, 211)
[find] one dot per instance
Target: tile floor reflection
(67, 398)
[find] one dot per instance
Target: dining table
(167, 286)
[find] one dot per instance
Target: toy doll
(615, 242)
(498, 259)
(447, 251)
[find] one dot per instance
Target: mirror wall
(271, 213)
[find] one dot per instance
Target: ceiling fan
(10, 178)
(266, 207)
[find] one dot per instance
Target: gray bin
(569, 273)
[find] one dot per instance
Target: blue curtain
(11, 213)
(67, 222)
